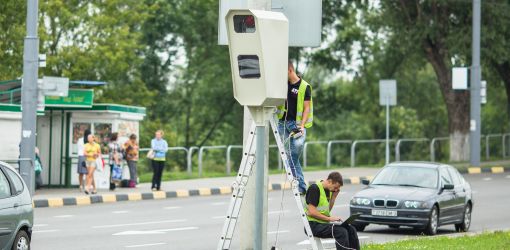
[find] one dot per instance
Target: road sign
(483, 92)
(388, 92)
(55, 86)
(460, 78)
(305, 19)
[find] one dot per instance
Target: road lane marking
(327, 241)
(169, 208)
(278, 211)
(343, 205)
(279, 232)
(159, 231)
(487, 179)
(64, 216)
(138, 224)
(218, 203)
(45, 231)
(146, 245)
(40, 225)
(120, 212)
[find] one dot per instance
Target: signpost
(388, 97)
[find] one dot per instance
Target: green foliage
(164, 55)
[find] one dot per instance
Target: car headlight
(415, 204)
(360, 201)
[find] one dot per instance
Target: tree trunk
(457, 102)
(503, 70)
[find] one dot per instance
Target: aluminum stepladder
(242, 178)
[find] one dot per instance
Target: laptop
(349, 220)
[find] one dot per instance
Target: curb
(156, 195)
(479, 170)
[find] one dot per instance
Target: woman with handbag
(115, 157)
(92, 152)
(131, 148)
(159, 147)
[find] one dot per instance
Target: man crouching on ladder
(320, 199)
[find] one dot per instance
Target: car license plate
(391, 213)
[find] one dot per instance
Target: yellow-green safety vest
(322, 207)
(300, 106)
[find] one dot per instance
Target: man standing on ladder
(294, 118)
(320, 199)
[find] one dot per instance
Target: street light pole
(29, 95)
(475, 123)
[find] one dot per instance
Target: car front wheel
(466, 222)
(22, 241)
(431, 228)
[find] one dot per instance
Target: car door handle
(16, 205)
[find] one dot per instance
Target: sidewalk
(181, 188)
(212, 186)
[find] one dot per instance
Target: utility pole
(29, 95)
(246, 221)
(475, 123)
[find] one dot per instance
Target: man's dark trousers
(347, 236)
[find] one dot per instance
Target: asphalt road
(195, 223)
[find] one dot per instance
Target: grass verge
(493, 240)
(146, 176)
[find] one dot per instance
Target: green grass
(495, 240)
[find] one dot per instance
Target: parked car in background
(422, 195)
(16, 211)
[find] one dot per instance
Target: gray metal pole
(259, 186)
(476, 125)
(247, 213)
(29, 95)
(388, 130)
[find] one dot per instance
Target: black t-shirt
(291, 103)
(313, 195)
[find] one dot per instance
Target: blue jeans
(294, 149)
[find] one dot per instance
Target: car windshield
(407, 176)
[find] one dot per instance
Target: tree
(12, 25)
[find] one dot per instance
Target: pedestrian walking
(115, 160)
(159, 147)
(81, 168)
(131, 150)
(92, 152)
(294, 118)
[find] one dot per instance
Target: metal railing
(278, 157)
(328, 150)
(17, 161)
(189, 165)
(504, 144)
(228, 164)
(329, 155)
(356, 142)
(397, 145)
(433, 146)
(201, 154)
(305, 149)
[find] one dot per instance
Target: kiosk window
(244, 24)
(248, 66)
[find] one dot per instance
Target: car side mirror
(448, 186)
(365, 182)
